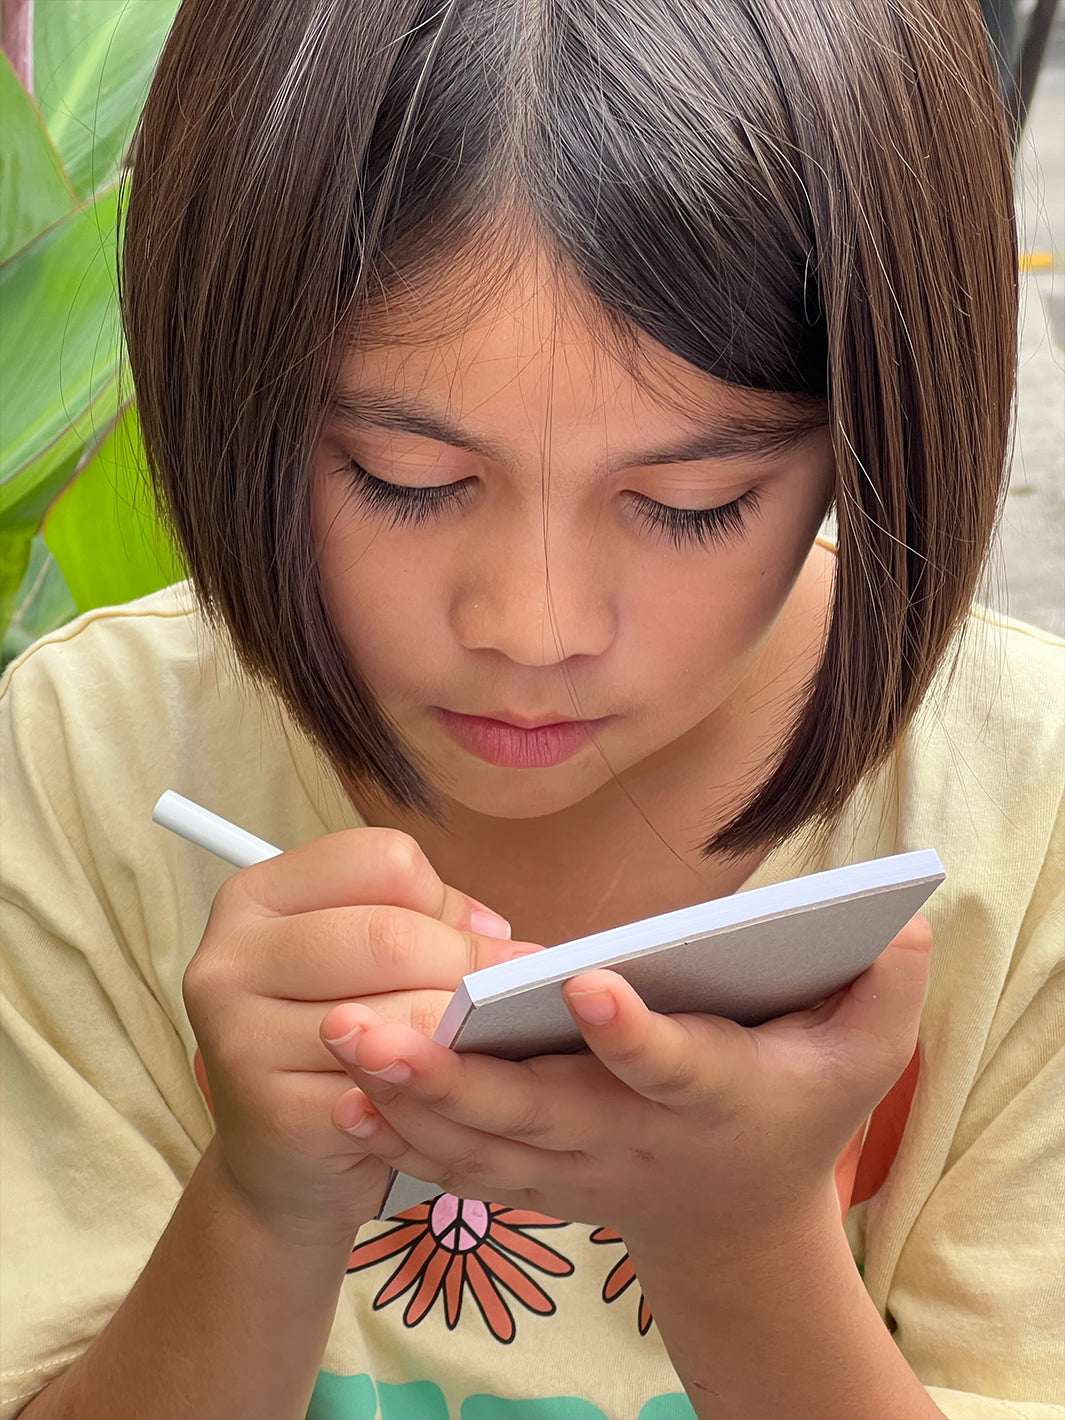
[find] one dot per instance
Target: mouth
(514, 742)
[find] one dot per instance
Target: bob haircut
(812, 199)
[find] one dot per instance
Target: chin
(516, 801)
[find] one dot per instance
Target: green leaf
(14, 559)
(60, 348)
(43, 603)
(25, 500)
(34, 192)
(103, 530)
(93, 62)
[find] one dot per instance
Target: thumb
(875, 1020)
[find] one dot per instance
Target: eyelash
(407, 507)
(703, 526)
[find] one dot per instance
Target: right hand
(359, 915)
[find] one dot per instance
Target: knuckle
(680, 1078)
(206, 978)
(529, 1122)
(215, 969)
(401, 857)
(444, 1097)
(391, 935)
(426, 1011)
(465, 1168)
(629, 1053)
(230, 900)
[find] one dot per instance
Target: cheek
(370, 595)
(725, 606)
(704, 631)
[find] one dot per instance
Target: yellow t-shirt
(461, 1310)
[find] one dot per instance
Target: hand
(359, 914)
(669, 1124)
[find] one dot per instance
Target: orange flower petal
(428, 1287)
(387, 1245)
(622, 1275)
(531, 1249)
(405, 1274)
(453, 1284)
(602, 1235)
(523, 1218)
(530, 1293)
(494, 1309)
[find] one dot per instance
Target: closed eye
(407, 505)
(704, 526)
(402, 504)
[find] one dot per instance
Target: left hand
(668, 1120)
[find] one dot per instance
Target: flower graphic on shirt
(620, 1277)
(454, 1247)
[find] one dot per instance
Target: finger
(356, 1117)
(340, 952)
(554, 1102)
(874, 1025)
(288, 1035)
(671, 1060)
(297, 1111)
(450, 1156)
(361, 865)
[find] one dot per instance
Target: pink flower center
(459, 1224)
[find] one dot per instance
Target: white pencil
(211, 831)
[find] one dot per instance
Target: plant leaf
(93, 63)
(34, 191)
(14, 559)
(60, 347)
(43, 603)
(103, 530)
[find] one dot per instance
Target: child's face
(551, 582)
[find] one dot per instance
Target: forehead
(509, 337)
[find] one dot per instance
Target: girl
(498, 362)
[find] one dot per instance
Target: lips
(517, 743)
(526, 722)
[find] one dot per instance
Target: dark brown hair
(812, 199)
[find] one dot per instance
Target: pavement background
(1026, 571)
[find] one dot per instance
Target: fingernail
(363, 1128)
(594, 1007)
(489, 924)
(510, 950)
(398, 1073)
(363, 1122)
(351, 1035)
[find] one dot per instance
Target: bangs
(665, 185)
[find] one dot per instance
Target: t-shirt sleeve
(976, 1298)
(102, 1123)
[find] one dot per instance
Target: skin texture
(544, 592)
(547, 594)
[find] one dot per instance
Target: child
(498, 363)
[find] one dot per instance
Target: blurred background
(77, 528)
(76, 519)
(1026, 573)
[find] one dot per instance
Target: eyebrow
(732, 436)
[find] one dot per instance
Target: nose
(536, 603)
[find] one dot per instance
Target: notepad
(751, 957)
